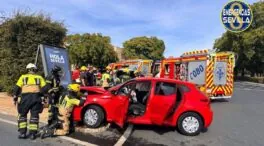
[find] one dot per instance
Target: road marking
(246, 89)
(9, 122)
(252, 83)
(124, 137)
(61, 137)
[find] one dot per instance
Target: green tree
(248, 45)
(144, 48)
(19, 39)
(94, 49)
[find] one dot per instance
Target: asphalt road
(8, 137)
(237, 122)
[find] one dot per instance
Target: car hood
(96, 89)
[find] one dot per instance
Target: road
(9, 136)
(238, 122)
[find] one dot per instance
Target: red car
(152, 101)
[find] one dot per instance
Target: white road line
(62, 137)
(252, 83)
(124, 137)
(246, 89)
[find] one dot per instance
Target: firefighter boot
(22, 136)
(49, 132)
(32, 136)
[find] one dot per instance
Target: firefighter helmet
(74, 87)
(108, 68)
(31, 66)
(83, 68)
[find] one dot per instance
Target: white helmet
(31, 66)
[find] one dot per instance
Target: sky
(183, 25)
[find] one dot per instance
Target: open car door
(121, 103)
(162, 102)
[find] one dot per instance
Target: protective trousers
(64, 116)
(29, 102)
(53, 109)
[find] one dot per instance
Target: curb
(253, 83)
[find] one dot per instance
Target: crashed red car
(151, 101)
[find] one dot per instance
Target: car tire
(190, 124)
(93, 116)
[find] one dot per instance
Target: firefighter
(53, 83)
(31, 87)
(106, 78)
(126, 75)
(138, 74)
(66, 104)
(83, 76)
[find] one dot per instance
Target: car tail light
(203, 96)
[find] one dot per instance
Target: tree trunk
(243, 72)
(252, 73)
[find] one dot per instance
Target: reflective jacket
(68, 101)
(29, 83)
(106, 79)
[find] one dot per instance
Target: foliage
(20, 36)
(94, 49)
(144, 48)
(248, 45)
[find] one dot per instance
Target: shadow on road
(132, 141)
(213, 101)
(158, 129)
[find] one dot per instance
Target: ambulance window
(166, 68)
(156, 68)
(165, 88)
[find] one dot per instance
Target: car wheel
(93, 116)
(190, 124)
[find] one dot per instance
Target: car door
(162, 101)
(120, 103)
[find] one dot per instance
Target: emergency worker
(83, 76)
(138, 74)
(90, 77)
(115, 78)
(53, 84)
(125, 76)
(31, 87)
(106, 78)
(66, 104)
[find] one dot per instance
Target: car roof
(162, 80)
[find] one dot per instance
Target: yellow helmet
(74, 87)
(108, 68)
(83, 68)
(126, 70)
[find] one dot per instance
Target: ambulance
(141, 65)
(212, 72)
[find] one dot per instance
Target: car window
(165, 88)
(125, 90)
(143, 86)
(183, 88)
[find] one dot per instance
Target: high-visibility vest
(31, 83)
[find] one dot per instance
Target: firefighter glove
(15, 98)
